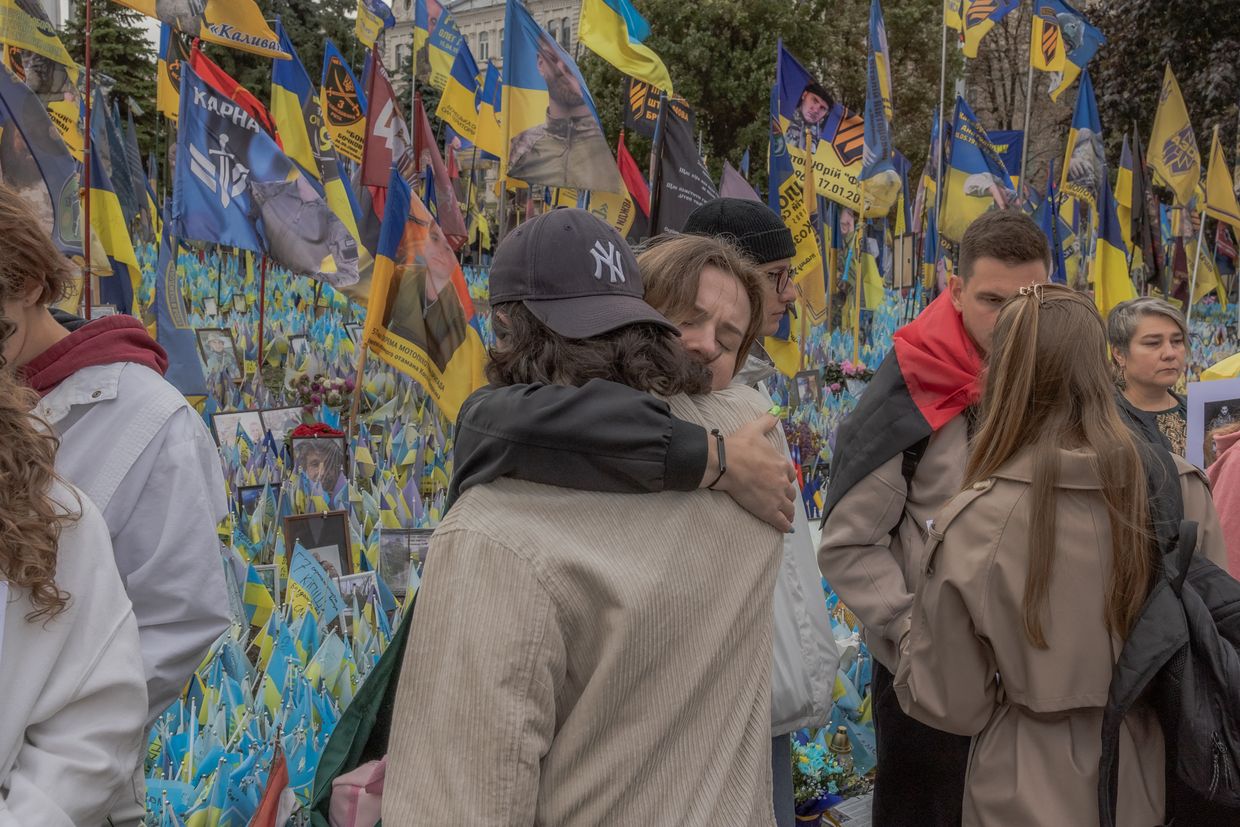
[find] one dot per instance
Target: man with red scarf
(898, 458)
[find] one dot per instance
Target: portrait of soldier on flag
(569, 149)
(806, 125)
(424, 307)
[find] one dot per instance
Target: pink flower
(316, 399)
(836, 387)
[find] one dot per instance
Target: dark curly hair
(643, 356)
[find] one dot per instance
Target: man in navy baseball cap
(575, 274)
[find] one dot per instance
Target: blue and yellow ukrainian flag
(373, 16)
(1112, 284)
(880, 182)
(616, 32)
(975, 175)
(458, 103)
(1123, 193)
(259, 604)
(525, 97)
(489, 137)
(1083, 158)
(235, 23)
(295, 109)
(421, 25)
(402, 327)
(979, 17)
(442, 47)
(123, 284)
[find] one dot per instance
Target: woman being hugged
(71, 679)
(1034, 574)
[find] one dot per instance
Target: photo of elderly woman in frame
(323, 459)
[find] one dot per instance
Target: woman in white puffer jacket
(72, 689)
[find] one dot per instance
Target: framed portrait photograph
(362, 586)
(280, 421)
(100, 311)
(210, 307)
(239, 303)
(250, 496)
(270, 575)
(219, 350)
(324, 459)
(402, 552)
(807, 387)
(325, 536)
(225, 425)
(1212, 407)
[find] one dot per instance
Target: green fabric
(362, 732)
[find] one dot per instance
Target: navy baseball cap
(575, 274)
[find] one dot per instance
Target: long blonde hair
(30, 521)
(1049, 387)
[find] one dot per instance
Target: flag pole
(262, 311)
(656, 153)
(858, 282)
(1192, 289)
(86, 150)
(938, 184)
(469, 199)
(1201, 232)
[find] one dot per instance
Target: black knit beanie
(751, 225)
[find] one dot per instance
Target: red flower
(317, 429)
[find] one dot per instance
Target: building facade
(481, 22)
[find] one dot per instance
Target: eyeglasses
(780, 278)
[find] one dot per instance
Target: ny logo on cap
(609, 257)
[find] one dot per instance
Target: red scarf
(941, 366)
(111, 339)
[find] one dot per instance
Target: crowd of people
(625, 599)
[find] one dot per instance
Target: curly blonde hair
(30, 520)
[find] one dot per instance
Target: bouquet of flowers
(837, 376)
(816, 778)
(312, 391)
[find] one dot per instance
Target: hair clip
(1035, 290)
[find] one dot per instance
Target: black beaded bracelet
(723, 458)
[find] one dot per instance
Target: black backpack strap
(912, 458)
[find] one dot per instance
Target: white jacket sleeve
(164, 516)
(76, 759)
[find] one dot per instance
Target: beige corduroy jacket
(585, 658)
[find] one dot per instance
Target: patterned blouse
(1169, 427)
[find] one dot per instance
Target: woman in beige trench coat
(1033, 575)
